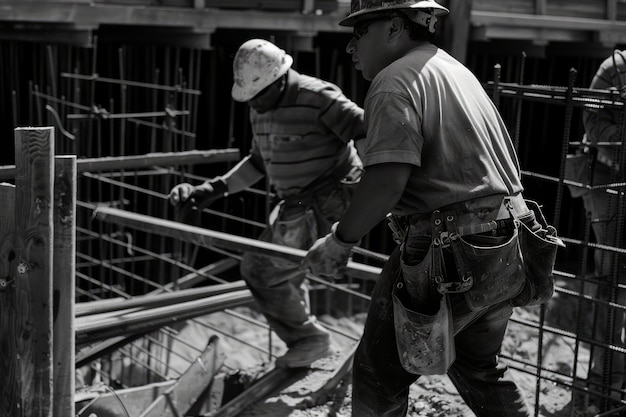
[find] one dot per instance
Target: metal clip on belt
(398, 232)
(467, 278)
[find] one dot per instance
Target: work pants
(277, 285)
(611, 271)
(380, 383)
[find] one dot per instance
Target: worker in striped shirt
(604, 132)
(303, 143)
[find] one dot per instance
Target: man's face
(266, 99)
(367, 46)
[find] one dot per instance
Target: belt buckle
(455, 287)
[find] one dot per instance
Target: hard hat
(359, 8)
(258, 63)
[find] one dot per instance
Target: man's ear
(396, 28)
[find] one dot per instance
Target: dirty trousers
(278, 287)
(610, 268)
(381, 385)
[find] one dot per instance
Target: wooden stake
(64, 283)
(32, 324)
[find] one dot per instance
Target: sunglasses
(360, 29)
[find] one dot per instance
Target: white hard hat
(258, 63)
(359, 8)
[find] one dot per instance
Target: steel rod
(145, 320)
(142, 161)
(209, 238)
(109, 305)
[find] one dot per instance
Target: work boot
(304, 352)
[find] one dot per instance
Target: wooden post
(9, 399)
(63, 285)
(30, 332)
(457, 27)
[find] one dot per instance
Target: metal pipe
(180, 296)
(151, 319)
(210, 238)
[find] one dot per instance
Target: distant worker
(603, 124)
(438, 156)
(303, 131)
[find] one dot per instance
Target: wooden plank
(9, 382)
(147, 320)
(64, 284)
(324, 393)
(33, 285)
(593, 9)
(273, 380)
(88, 353)
(203, 20)
(141, 161)
(49, 34)
(178, 399)
(519, 20)
(156, 300)
(210, 238)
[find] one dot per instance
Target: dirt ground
(432, 396)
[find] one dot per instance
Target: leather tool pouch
(538, 249)
(491, 265)
(425, 342)
(422, 317)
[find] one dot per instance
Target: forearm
(378, 192)
(242, 175)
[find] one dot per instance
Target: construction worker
(603, 124)
(438, 156)
(303, 131)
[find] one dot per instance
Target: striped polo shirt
(308, 135)
(601, 124)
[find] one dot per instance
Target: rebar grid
(107, 109)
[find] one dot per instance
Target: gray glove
(200, 196)
(328, 257)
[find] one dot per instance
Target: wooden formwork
(37, 279)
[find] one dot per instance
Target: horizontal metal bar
(171, 113)
(211, 238)
(152, 86)
(108, 305)
(141, 161)
(146, 320)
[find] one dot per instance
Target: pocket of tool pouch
(495, 264)
(422, 317)
(539, 254)
(424, 341)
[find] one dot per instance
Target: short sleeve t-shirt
(428, 110)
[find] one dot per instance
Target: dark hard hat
(362, 8)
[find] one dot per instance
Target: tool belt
(487, 272)
(474, 216)
(500, 248)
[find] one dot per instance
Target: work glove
(328, 257)
(200, 196)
